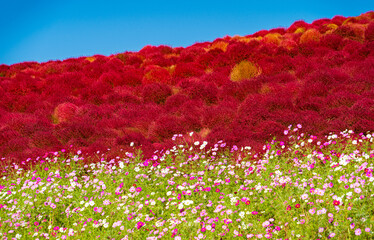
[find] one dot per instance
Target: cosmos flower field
(268, 135)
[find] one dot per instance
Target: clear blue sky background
(42, 30)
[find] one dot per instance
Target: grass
(307, 190)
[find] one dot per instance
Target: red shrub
(150, 50)
(18, 144)
(304, 66)
(286, 117)
(314, 89)
(72, 65)
(239, 90)
(131, 76)
(185, 70)
(335, 58)
(347, 31)
(7, 133)
(164, 61)
(369, 32)
(168, 125)
(260, 33)
(189, 54)
(42, 139)
(215, 77)
(363, 125)
(354, 49)
(296, 25)
(278, 101)
(239, 51)
(173, 102)
(218, 116)
(321, 22)
(205, 91)
(26, 124)
(4, 70)
(311, 103)
(331, 114)
(269, 129)
(95, 69)
(192, 122)
(191, 113)
(364, 108)
(64, 112)
(317, 81)
(78, 142)
(56, 93)
(206, 59)
(217, 134)
(80, 128)
(111, 77)
(156, 92)
(131, 136)
(191, 107)
(155, 74)
(333, 41)
(251, 111)
(89, 111)
(341, 98)
(312, 122)
(96, 91)
(338, 20)
(221, 61)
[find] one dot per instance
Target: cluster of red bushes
(243, 90)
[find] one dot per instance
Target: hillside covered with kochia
(244, 90)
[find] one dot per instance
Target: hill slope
(243, 89)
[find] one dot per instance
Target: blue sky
(41, 30)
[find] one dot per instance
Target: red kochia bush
(364, 108)
(296, 25)
(268, 129)
(132, 76)
(111, 77)
(218, 116)
(189, 54)
(7, 133)
(94, 92)
(347, 31)
(205, 91)
(251, 111)
(185, 70)
(131, 136)
(239, 51)
(310, 103)
(175, 101)
(239, 90)
(26, 124)
(154, 74)
(363, 126)
(216, 77)
(81, 128)
(341, 98)
(16, 145)
(335, 58)
(156, 92)
(338, 20)
(369, 32)
(278, 101)
(192, 111)
(43, 139)
(332, 41)
(168, 125)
